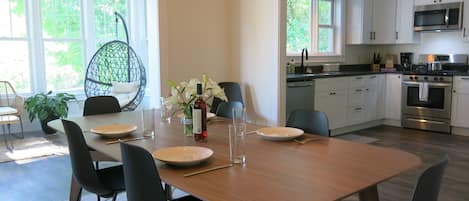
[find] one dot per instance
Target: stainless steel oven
(426, 102)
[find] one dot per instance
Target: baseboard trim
(460, 131)
(348, 129)
(392, 122)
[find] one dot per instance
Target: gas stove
(431, 78)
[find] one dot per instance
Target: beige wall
(194, 37)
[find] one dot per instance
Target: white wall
(194, 38)
(256, 57)
(431, 42)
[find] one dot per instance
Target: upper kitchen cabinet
(428, 2)
(380, 22)
(465, 21)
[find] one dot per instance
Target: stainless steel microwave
(446, 16)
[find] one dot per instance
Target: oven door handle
(409, 83)
(425, 121)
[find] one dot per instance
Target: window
(314, 24)
(14, 56)
(47, 44)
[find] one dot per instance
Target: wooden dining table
(325, 169)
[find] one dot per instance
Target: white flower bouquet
(184, 94)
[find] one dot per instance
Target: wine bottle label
(197, 121)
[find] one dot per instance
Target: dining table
(323, 169)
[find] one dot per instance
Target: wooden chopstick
(126, 140)
(208, 170)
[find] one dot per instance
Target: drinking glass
(237, 142)
(165, 111)
(239, 115)
(148, 121)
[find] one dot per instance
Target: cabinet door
(384, 21)
(359, 13)
(460, 110)
(465, 21)
(373, 91)
(334, 104)
(393, 97)
(405, 22)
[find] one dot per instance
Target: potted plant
(48, 107)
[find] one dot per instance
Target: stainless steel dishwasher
(300, 95)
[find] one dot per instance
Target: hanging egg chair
(116, 70)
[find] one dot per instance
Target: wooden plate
(114, 130)
(279, 133)
(183, 155)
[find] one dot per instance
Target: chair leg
(168, 191)
(5, 139)
(96, 164)
(12, 139)
(22, 130)
(114, 197)
(99, 197)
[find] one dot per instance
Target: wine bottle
(199, 117)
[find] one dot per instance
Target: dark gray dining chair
(142, 180)
(429, 181)
(105, 182)
(225, 109)
(232, 92)
(101, 105)
(310, 121)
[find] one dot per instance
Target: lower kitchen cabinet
(393, 97)
(333, 103)
(460, 102)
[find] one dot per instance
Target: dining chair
(105, 182)
(142, 180)
(225, 109)
(101, 105)
(314, 122)
(429, 181)
(232, 92)
(11, 108)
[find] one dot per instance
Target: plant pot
(46, 128)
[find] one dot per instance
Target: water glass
(237, 142)
(148, 121)
(165, 111)
(239, 115)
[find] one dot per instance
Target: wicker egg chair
(116, 63)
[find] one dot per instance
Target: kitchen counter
(312, 76)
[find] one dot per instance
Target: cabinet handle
(332, 93)
(371, 35)
(358, 90)
(399, 77)
(358, 108)
(465, 78)
(374, 76)
(359, 78)
(397, 35)
(374, 35)
(367, 89)
(454, 91)
(464, 32)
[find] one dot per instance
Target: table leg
(369, 194)
(75, 189)
(168, 191)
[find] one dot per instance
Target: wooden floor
(47, 179)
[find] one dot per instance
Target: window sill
(318, 58)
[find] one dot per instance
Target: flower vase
(187, 121)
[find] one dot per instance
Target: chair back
(310, 121)
(142, 181)
(101, 105)
(232, 92)
(428, 183)
(7, 94)
(225, 109)
(82, 165)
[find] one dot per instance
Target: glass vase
(187, 121)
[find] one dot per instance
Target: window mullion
(314, 26)
(88, 38)
(36, 46)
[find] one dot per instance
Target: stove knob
(435, 78)
(441, 78)
(416, 78)
(425, 78)
(411, 78)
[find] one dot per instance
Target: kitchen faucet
(303, 51)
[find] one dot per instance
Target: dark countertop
(312, 76)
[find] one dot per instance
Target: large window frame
(338, 28)
(136, 21)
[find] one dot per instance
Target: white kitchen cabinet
(384, 21)
(460, 102)
(405, 22)
(331, 97)
(374, 93)
(429, 2)
(393, 97)
(334, 104)
(465, 22)
(380, 22)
